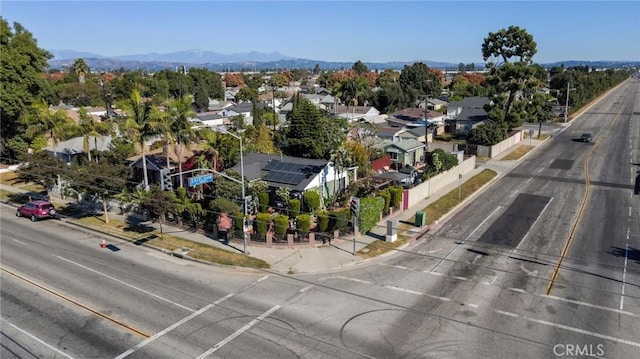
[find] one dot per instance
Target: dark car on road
(36, 210)
(586, 137)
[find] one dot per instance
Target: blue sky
(370, 31)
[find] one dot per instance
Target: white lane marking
(532, 225)
(624, 272)
(397, 266)
(36, 339)
(629, 211)
(464, 240)
(519, 290)
(307, 288)
(127, 284)
(163, 332)
(572, 329)
(475, 259)
(458, 277)
(238, 332)
(531, 273)
(522, 185)
(19, 241)
(351, 279)
(261, 279)
(588, 305)
(444, 299)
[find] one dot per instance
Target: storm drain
(181, 252)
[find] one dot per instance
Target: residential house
(414, 116)
(245, 109)
(218, 105)
(67, 150)
(409, 152)
(156, 162)
(433, 104)
(322, 101)
(359, 113)
(469, 113)
(295, 173)
(210, 119)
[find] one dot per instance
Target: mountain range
(253, 60)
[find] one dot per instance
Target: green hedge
(396, 196)
(386, 195)
(338, 220)
(311, 201)
(294, 208)
(370, 211)
(263, 200)
(237, 221)
(281, 224)
(262, 223)
(304, 223)
(323, 221)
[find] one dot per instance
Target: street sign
(198, 180)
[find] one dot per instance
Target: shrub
(370, 210)
(311, 201)
(238, 219)
(263, 199)
(294, 208)
(396, 195)
(386, 195)
(304, 223)
(262, 222)
(338, 220)
(323, 221)
(281, 224)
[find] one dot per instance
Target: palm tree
(339, 158)
(80, 68)
(142, 120)
(182, 131)
(42, 121)
(89, 128)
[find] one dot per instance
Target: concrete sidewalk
(339, 254)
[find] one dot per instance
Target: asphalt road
(476, 288)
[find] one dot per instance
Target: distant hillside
(253, 61)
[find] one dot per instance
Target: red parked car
(36, 210)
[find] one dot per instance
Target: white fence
(493, 151)
(435, 183)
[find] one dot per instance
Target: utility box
(392, 228)
(421, 218)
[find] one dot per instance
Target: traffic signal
(165, 179)
(354, 206)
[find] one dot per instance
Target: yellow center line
(102, 315)
(579, 217)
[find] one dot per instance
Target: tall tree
(509, 53)
(43, 121)
(359, 68)
(80, 69)
(142, 121)
(22, 63)
(103, 179)
(304, 131)
(183, 133)
(418, 81)
(259, 139)
(90, 128)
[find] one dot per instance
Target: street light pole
(244, 197)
